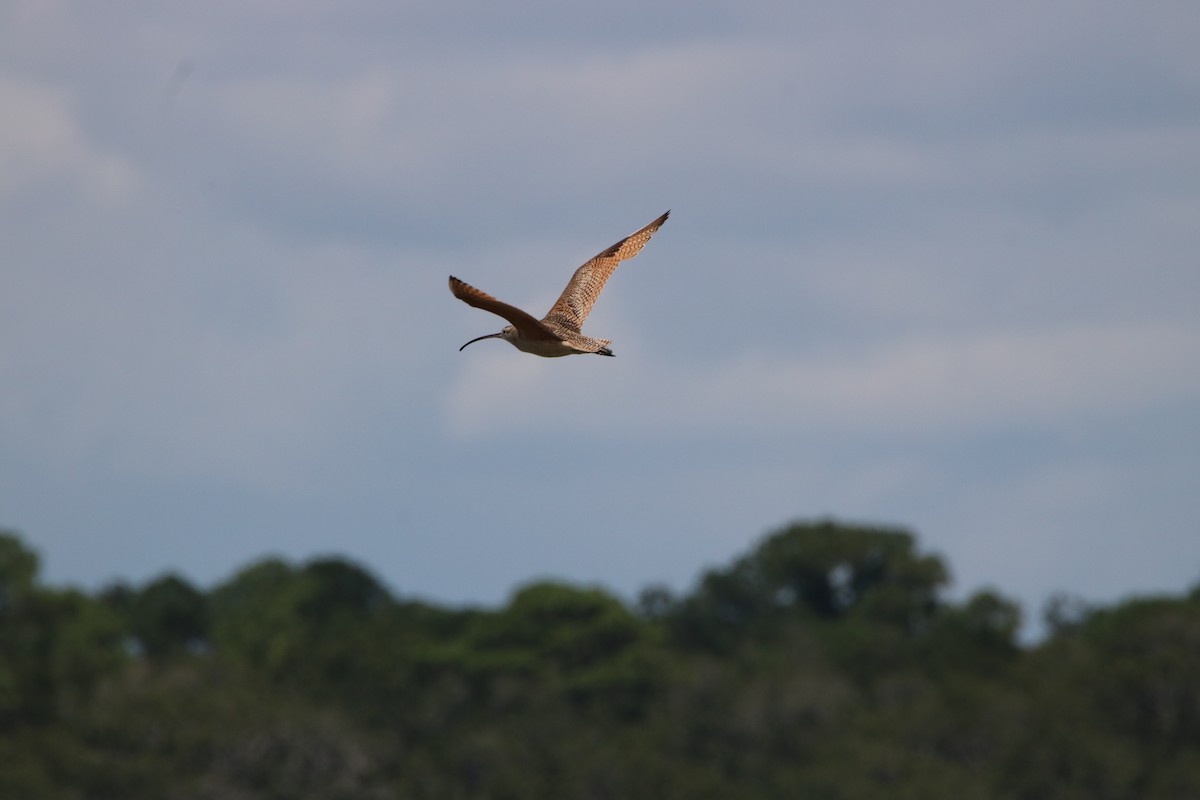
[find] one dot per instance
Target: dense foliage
(823, 664)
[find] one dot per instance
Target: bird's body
(559, 332)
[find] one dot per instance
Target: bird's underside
(559, 333)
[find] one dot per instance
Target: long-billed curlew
(558, 333)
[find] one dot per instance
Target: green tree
(168, 617)
(326, 624)
(821, 571)
(1150, 684)
(18, 570)
(560, 625)
(821, 663)
(54, 645)
(980, 635)
(583, 642)
(253, 617)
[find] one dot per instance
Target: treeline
(825, 663)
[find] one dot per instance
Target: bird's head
(508, 333)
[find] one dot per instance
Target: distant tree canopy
(820, 572)
(825, 663)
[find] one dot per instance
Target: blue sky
(928, 264)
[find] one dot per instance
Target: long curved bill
(480, 338)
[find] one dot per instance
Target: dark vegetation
(823, 664)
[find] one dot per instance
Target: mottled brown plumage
(559, 333)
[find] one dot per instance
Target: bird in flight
(559, 332)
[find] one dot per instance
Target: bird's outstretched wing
(576, 301)
(525, 324)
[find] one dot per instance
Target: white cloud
(43, 149)
(458, 123)
(975, 382)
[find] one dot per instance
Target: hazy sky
(930, 264)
